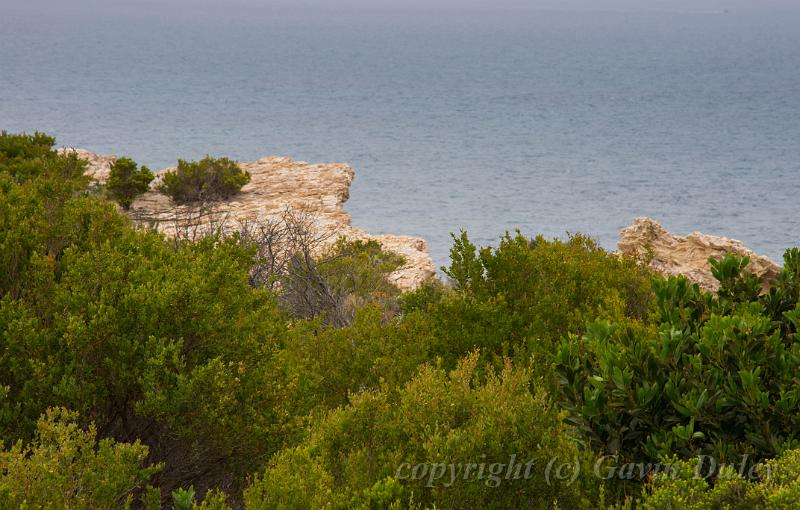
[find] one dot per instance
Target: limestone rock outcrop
(688, 255)
(278, 184)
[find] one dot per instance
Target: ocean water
(549, 122)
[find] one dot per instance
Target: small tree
(206, 180)
(128, 181)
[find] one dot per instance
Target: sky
(450, 5)
(550, 4)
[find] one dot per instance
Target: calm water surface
(543, 121)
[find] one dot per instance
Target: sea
(546, 121)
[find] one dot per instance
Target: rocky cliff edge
(279, 184)
(688, 255)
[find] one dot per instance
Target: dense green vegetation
(67, 467)
(710, 375)
(253, 370)
(207, 180)
(774, 485)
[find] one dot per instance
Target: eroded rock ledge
(688, 255)
(317, 190)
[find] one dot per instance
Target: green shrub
(26, 157)
(345, 277)
(363, 455)
(128, 181)
(24, 148)
(361, 269)
(184, 499)
(521, 298)
(369, 352)
(147, 332)
(774, 485)
(67, 467)
(716, 375)
(424, 297)
(43, 210)
(206, 180)
(165, 343)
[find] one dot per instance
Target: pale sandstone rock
(278, 183)
(676, 255)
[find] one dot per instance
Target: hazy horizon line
(710, 7)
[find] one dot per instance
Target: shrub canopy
(774, 485)
(713, 375)
(207, 180)
(256, 370)
(66, 466)
(127, 181)
(415, 447)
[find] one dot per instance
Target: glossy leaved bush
(713, 374)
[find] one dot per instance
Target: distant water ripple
(546, 122)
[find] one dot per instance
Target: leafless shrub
(291, 257)
(307, 293)
(277, 242)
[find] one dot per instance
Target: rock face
(676, 255)
(278, 184)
